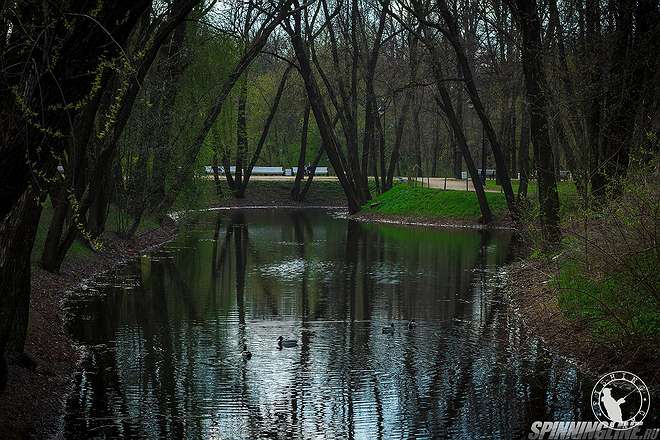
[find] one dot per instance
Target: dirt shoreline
(535, 301)
(409, 220)
(33, 401)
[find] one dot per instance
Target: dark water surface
(164, 335)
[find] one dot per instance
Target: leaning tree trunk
(328, 136)
(502, 169)
(264, 132)
(312, 172)
(185, 172)
(445, 103)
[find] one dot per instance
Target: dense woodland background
(118, 106)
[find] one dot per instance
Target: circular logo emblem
(620, 399)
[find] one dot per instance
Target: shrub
(608, 272)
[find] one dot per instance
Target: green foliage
(196, 194)
(608, 271)
(609, 305)
(404, 199)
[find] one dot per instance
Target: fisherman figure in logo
(612, 405)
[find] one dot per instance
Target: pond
(163, 337)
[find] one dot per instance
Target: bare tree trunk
(312, 171)
(216, 174)
(523, 151)
(592, 25)
(417, 141)
(457, 164)
(300, 172)
(436, 149)
(241, 137)
(329, 139)
(371, 112)
(381, 155)
(407, 102)
(532, 57)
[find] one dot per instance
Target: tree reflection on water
(163, 360)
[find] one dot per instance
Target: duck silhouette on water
(389, 330)
(247, 355)
(286, 343)
(412, 325)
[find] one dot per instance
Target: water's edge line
(361, 217)
(430, 224)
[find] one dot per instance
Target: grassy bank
(431, 203)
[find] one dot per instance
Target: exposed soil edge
(410, 220)
(526, 283)
(33, 402)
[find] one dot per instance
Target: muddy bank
(324, 193)
(32, 404)
(411, 220)
(527, 283)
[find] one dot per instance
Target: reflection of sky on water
(164, 360)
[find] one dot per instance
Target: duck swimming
(389, 330)
(287, 343)
(412, 324)
(246, 353)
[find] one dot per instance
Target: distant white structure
(269, 171)
(489, 174)
(263, 171)
(492, 174)
(319, 171)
